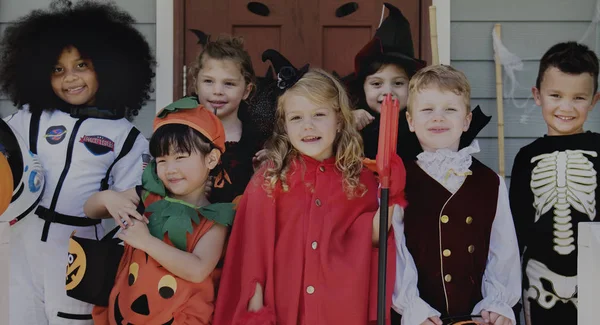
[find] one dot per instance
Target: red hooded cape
(310, 249)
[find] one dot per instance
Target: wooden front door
(324, 33)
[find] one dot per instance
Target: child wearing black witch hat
(384, 66)
(77, 73)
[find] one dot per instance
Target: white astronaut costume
(76, 153)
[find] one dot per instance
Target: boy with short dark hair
(554, 184)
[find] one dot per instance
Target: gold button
(322, 168)
(445, 219)
(471, 249)
(310, 290)
(318, 202)
(448, 278)
(469, 220)
(447, 252)
(314, 245)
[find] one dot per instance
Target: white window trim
(442, 8)
(164, 53)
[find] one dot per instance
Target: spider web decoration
(512, 63)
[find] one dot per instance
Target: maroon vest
(448, 236)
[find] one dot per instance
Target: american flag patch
(146, 158)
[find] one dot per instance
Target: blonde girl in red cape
(302, 246)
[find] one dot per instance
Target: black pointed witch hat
(263, 103)
(287, 74)
(392, 43)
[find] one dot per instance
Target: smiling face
(390, 79)
(438, 118)
(221, 86)
(184, 174)
(74, 79)
(566, 99)
(311, 128)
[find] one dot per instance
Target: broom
(500, 107)
(433, 36)
(388, 138)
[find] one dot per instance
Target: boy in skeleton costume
(457, 251)
(78, 73)
(554, 184)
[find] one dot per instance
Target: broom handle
(500, 107)
(381, 276)
(433, 35)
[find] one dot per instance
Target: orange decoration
(6, 184)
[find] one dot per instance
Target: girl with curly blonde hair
(320, 89)
(301, 248)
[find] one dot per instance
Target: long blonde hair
(322, 89)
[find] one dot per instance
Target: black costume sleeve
(521, 198)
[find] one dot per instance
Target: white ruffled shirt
(501, 285)
(449, 168)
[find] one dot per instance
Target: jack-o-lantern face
(21, 176)
(463, 320)
(149, 294)
(76, 265)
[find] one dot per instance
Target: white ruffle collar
(448, 167)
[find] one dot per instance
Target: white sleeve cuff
(496, 306)
(417, 312)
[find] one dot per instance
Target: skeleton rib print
(563, 180)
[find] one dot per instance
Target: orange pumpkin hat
(197, 117)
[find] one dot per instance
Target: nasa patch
(55, 134)
(97, 144)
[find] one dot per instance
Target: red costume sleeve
(249, 258)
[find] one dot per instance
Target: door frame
(170, 40)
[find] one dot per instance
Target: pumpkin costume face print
(149, 294)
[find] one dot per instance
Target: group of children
(302, 248)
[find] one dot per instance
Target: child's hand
(362, 118)
(490, 317)
(377, 220)
(432, 321)
(259, 157)
(136, 235)
(122, 205)
(397, 181)
(256, 302)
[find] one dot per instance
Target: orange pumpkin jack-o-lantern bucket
(463, 320)
(6, 183)
(21, 176)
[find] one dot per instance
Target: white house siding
(529, 28)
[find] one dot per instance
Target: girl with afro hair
(78, 73)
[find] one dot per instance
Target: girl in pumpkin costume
(171, 251)
(301, 249)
